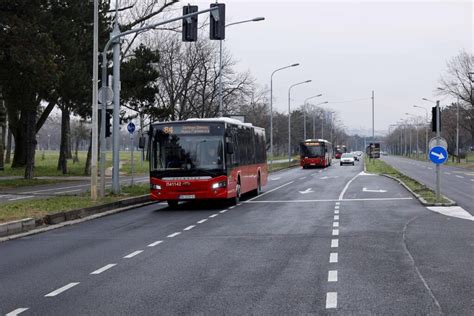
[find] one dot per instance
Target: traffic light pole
(438, 166)
(115, 39)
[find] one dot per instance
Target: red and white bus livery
(216, 158)
(315, 153)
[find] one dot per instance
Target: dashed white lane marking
(336, 211)
(156, 243)
(190, 227)
(331, 300)
(104, 268)
(223, 211)
(213, 215)
(453, 211)
(21, 198)
(133, 254)
(332, 276)
(62, 289)
(302, 178)
(430, 168)
(336, 217)
(336, 207)
(337, 203)
(447, 173)
(202, 221)
(460, 177)
(17, 311)
(335, 232)
(334, 243)
(335, 224)
(259, 196)
(332, 200)
(173, 235)
(333, 257)
(472, 179)
(231, 207)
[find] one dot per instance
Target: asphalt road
(68, 187)
(456, 183)
(316, 242)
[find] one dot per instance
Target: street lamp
(257, 19)
(304, 112)
(322, 121)
(426, 130)
(271, 108)
(289, 116)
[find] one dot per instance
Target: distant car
(347, 159)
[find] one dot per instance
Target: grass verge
(18, 183)
(282, 165)
(38, 208)
(377, 166)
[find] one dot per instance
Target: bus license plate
(187, 197)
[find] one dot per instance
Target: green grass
(40, 207)
(377, 166)
(18, 183)
(282, 165)
(46, 164)
(467, 162)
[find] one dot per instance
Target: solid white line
(21, 198)
(133, 254)
(190, 227)
(67, 191)
(223, 211)
(331, 300)
(281, 186)
(55, 189)
(104, 268)
(336, 217)
(454, 211)
(213, 215)
(447, 173)
(347, 186)
(335, 232)
(173, 235)
(336, 211)
(333, 257)
(153, 244)
(458, 176)
(335, 224)
(332, 276)
(334, 243)
(17, 311)
(202, 221)
(62, 289)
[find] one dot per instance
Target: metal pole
(438, 166)
(417, 144)
(289, 128)
(411, 149)
(220, 78)
(314, 126)
(457, 131)
(116, 116)
(322, 125)
(373, 119)
(102, 126)
(304, 122)
(131, 158)
(95, 106)
(271, 120)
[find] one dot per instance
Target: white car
(347, 159)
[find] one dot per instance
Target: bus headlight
(155, 187)
(221, 184)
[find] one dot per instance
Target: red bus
(340, 149)
(315, 153)
(215, 158)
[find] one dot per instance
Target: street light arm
(314, 96)
(289, 66)
(257, 19)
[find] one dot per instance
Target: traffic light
(434, 114)
(108, 123)
(217, 22)
(190, 25)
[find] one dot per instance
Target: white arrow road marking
(376, 191)
(277, 178)
(439, 155)
(308, 190)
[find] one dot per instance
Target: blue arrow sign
(131, 127)
(438, 155)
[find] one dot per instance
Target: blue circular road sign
(438, 155)
(131, 127)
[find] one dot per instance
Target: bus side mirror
(141, 142)
(229, 148)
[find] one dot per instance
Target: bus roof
(214, 120)
(316, 140)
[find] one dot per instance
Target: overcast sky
(398, 49)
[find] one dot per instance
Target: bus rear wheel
(237, 194)
(258, 190)
(172, 203)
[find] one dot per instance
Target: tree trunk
(63, 148)
(19, 155)
(67, 128)
(87, 169)
(30, 143)
(9, 146)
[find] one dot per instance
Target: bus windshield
(187, 152)
(312, 151)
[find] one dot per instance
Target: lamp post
(426, 130)
(220, 58)
(304, 113)
(417, 143)
(271, 108)
(289, 116)
(438, 136)
(322, 121)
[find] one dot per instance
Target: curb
(419, 197)
(26, 227)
